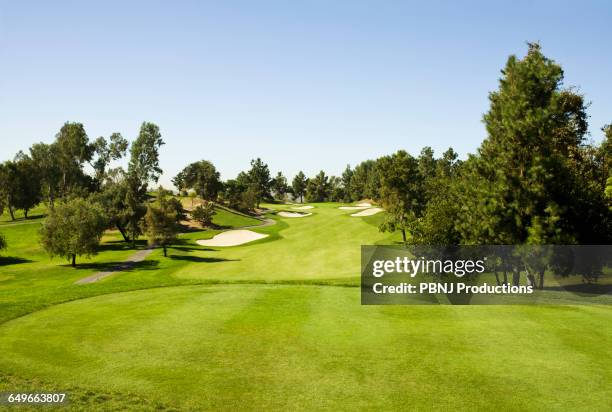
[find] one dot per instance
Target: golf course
(277, 324)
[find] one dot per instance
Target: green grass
(275, 324)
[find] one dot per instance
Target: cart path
(131, 261)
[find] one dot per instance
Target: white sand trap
(302, 207)
(353, 207)
(368, 212)
(292, 214)
(365, 204)
(232, 238)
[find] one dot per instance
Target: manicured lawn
(277, 324)
(262, 347)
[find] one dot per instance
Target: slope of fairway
(326, 245)
(260, 347)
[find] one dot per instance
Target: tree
(299, 185)
(280, 186)
(72, 150)
(259, 179)
(142, 169)
(160, 222)
(239, 194)
(106, 151)
(73, 228)
(202, 177)
(203, 214)
(19, 184)
(45, 157)
(2, 242)
(336, 189)
(318, 188)
(347, 176)
(401, 191)
(26, 189)
(365, 182)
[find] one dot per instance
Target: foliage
(299, 185)
(73, 228)
(200, 176)
(318, 188)
(160, 222)
(259, 180)
(142, 169)
(203, 213)
(279, 186)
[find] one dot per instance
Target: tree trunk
(73, 260)
(122, 231)
(301, 198)
(404, 236)
(497, 278)
(516, 277)
(531, 280)
(165, 255)
(25, 213)
(505, 277)
(12, 212)
(542, 280)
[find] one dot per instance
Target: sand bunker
(365, 204)
(293, 214)
(232, 238)
(368, 212)
(353, 207)
(302, 207)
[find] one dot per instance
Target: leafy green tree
(20, 184)
(239, 194)
(27, 189)
(106, 151)
(401, 191)
(259, 179)
(436, 225)
(518, 186)
(45, 157)
(203, 214)
(299, 185)
(177, 209)
(142, 169)
(73, 150)
(318, 188)
(365, 182)
(202, 177)
(73, 228)
(160, 222)
(280, 186)
(336, 189)
(347, 176)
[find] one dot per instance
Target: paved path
(135, 258)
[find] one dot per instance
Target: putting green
(314, 347)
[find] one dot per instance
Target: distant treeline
(534, 179)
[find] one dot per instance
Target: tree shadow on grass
(122, 245)
(189, 248)
(124, 266)
(12, 260)
(198, 259)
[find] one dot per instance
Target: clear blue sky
(302, 84)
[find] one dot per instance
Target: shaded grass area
(263, 347)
